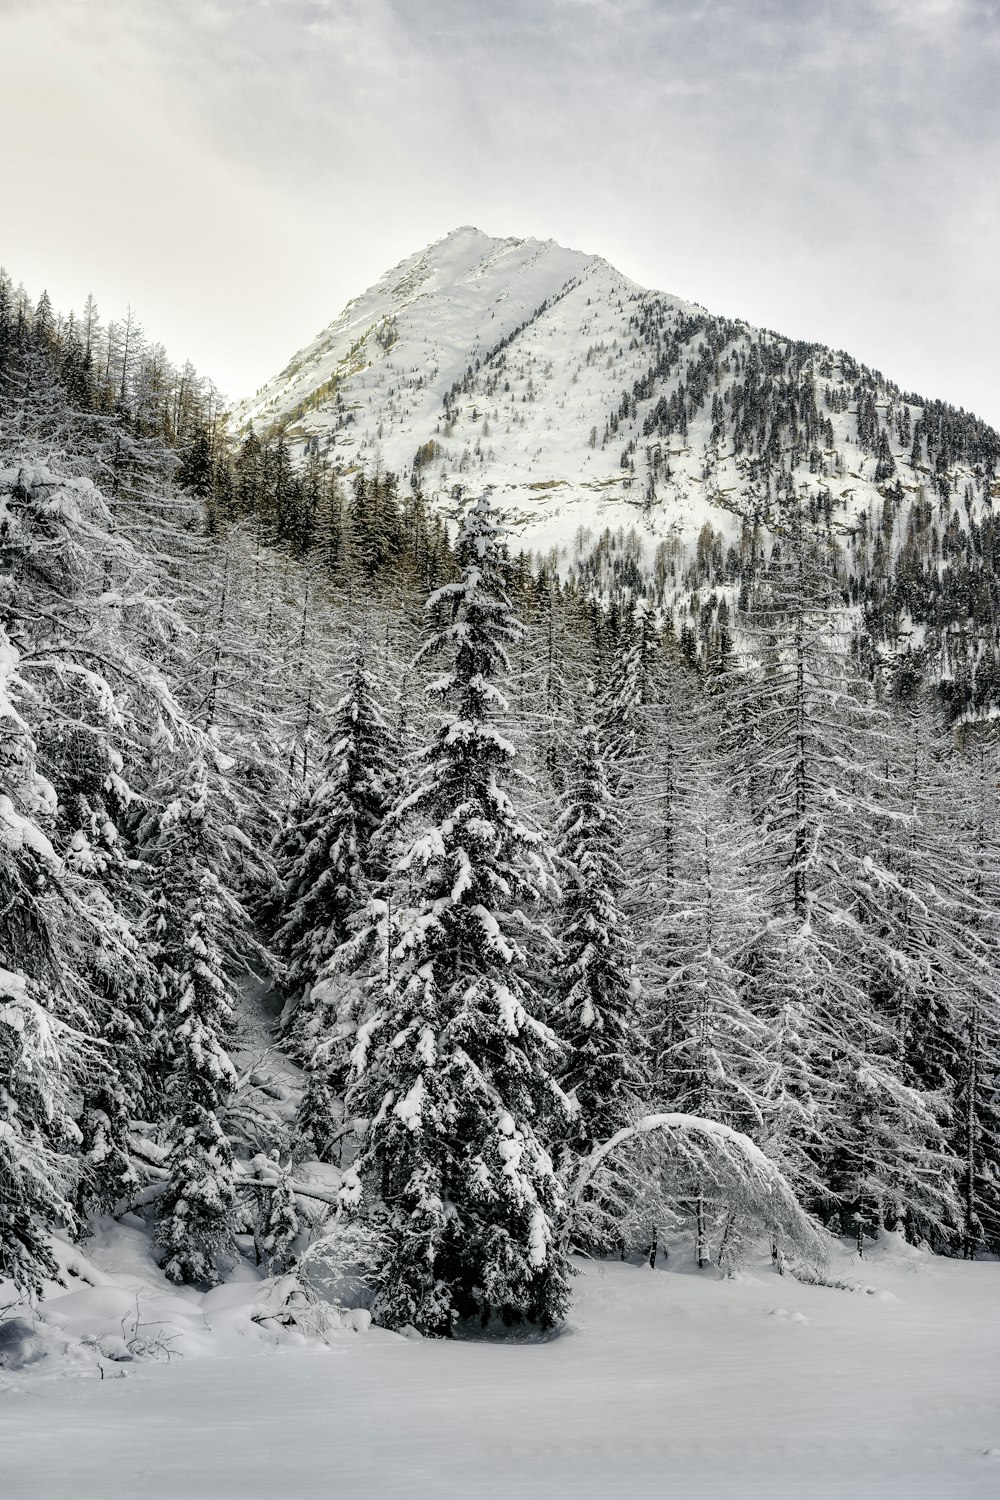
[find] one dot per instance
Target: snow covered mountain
(583, 400)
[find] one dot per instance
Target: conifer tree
(328, 855)
(40, 1054)
(810, 750)
(453, 1068)
(976, 1133)
(627, 688)
(679, 737)
(196, 919)
(278, 1223)
(90, 691)
(595, 985)
(713, 1056)
(328, 861)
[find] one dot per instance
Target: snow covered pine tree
(194, 910)
(328, 862)
(453, 1069)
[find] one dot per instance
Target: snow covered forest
(386, 905)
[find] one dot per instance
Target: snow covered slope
(582, 400)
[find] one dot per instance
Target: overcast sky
(237, 169)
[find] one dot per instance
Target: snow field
(665, 1383)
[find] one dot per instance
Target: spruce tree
(327, 855)
(196, 917)
(277, 1223)
(627, 689)
(453, 1069)
(595, 984)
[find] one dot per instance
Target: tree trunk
(701, 1247)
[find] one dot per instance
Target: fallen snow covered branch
(143, 1151)
(300, 1189)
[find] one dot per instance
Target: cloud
(824, 168)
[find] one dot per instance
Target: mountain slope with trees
(583, 920)
(632, 438)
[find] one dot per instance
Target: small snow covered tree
(453, 1070)
(319, 1118)
(276, 1223)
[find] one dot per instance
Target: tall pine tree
(453, 1069)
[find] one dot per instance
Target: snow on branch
(719, 1163)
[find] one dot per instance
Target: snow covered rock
(20, 1344)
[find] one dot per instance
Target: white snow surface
(666, 1383)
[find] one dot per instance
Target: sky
(236, 170)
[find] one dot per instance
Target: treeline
(527, 878)
(103, 369)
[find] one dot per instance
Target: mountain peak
(583, 401)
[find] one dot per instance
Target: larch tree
(976, 1127)
(709, 1038)
(809, 749)
(74, 600)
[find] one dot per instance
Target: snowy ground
(665, 1384)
